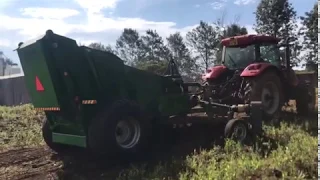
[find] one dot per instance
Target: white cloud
(244, 2)
(31, 27)
(94, 27)
(36, 21)
(218, 4)
(95, 6)
(50, 13)
(5, 42)
(5, 3)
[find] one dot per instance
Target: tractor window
(239, 57)
(270, 53)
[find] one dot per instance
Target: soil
(27, 163)
(40, 163)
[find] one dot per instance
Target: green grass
(288, 152)
(20, 126)
(293, 155)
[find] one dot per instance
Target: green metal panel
(34, 65)
(143, 87)
(69, 139)
(173, 104)
(108, 70)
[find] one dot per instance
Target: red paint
(245, 40)
(214, 72)
(254, 69)
(39, 86)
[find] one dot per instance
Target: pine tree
(309, 31)
(204, 40)
(276, 18)
(130, 46)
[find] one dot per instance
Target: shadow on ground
(167, 148)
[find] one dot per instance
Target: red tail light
(39, 86)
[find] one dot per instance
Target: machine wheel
(237, 130)
(120, 130)
(266, 88)
(305, 101)
(47, 136)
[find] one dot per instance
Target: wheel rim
(270, 98)
(239, 132)
(128, 133)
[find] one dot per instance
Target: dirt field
(27, 163)
(23, 155)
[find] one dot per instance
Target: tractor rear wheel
(47, 137)
(266, 88)
(305, 100)
(122, 129)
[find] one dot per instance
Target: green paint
(69, 139)
(91, 75)
(34, 64)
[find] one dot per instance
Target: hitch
(253, 110)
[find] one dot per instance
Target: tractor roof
(245, 40)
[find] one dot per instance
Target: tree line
(201, 46)
(197, 51)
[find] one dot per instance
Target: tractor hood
(214, 72)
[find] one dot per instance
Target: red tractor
(253, 69)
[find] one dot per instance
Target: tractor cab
(241, 51)
(250, 52)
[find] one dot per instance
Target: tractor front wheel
(237, 130)
(266, 88)
(122, 129)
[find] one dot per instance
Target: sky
(103, 20)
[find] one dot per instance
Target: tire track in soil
(18, 156)
(27, 163)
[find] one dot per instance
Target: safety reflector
(48, 109)
(39, 86)
(89, 101)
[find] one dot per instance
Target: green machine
(93, 100)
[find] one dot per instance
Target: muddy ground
(28, 163)
(40, 163)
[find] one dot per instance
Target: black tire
(103, 133)
(254, 91)
(47, 137)
(237, 130)
(305, 100)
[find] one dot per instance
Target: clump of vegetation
(20, 126)
(290, 154)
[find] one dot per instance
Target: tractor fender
(256, 69)
(214, 72)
